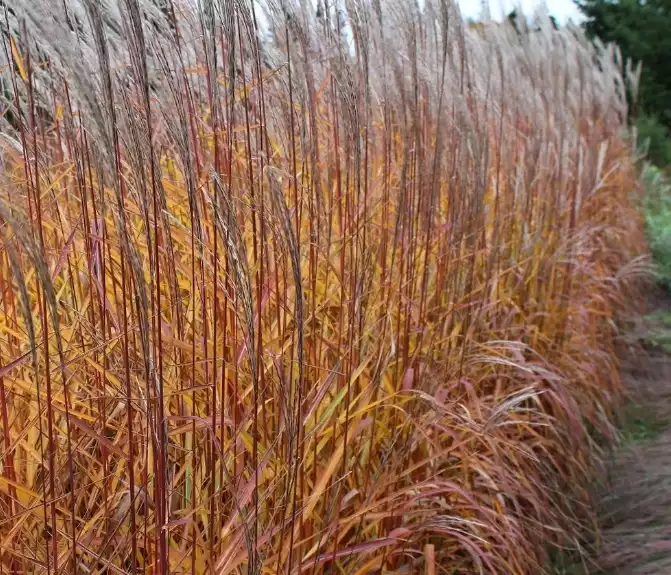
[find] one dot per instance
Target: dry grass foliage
(292, 288)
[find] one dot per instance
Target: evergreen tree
(642, 29)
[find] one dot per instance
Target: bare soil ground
(634, 500)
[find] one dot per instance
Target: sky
(562, 10)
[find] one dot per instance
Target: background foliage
(641, 30)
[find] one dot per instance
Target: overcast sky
(560, 9)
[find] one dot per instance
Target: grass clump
(658, 334)
(657, 209)
(641, 425)
(290, 290)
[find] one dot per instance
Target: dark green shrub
(653, 138)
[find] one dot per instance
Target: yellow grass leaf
(17, 58)
(26, 496)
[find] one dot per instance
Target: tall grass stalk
(300, 288)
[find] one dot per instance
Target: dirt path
(635, 499)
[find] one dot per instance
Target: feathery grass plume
(295, 288)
